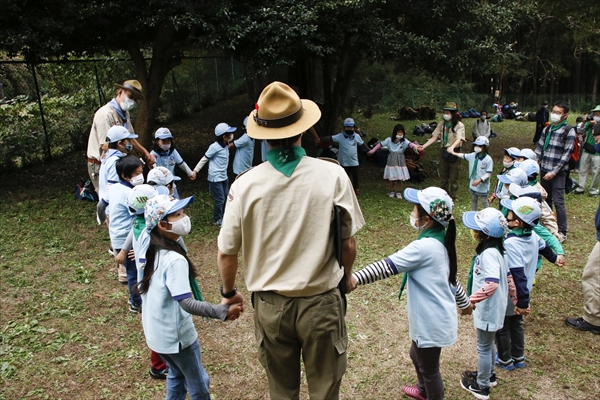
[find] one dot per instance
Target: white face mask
(508, 164)
(555, 117)
(447, 117)
(517, 164)
(482, 117)
(399, 137)
(596, 118)
(181, 227)
(165, 147)
(127, 104)
(137, 180)
(477, 149)
(413, 223)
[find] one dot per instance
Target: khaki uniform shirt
(452, 136)
(282, 226)
(105, 117)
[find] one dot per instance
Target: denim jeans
(511, 339)
(134, 299)
(486, 357)
(186, 373)
(219, 191)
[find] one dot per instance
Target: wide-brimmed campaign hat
(134, 87)
(450, 106)
(280, 113)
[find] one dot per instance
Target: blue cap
(530, 167)
(163, 133)
(348, 122)
(489, 221)
(224, 128)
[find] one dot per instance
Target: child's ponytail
(451, 249)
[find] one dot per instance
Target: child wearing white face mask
(395, 169)
(217, 157)
(167, 156)
(166, 288)
(481, 167)
(129, 169)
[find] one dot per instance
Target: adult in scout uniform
(275, 216)
(590, 159)
(115, 112)
(451, 132)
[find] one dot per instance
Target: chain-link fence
(47, 109)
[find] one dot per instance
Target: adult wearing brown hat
(115, 112)
(451, 133)
(278, 215)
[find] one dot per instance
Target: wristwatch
(228, 295)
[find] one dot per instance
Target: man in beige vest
(279, 215)
(115, 112)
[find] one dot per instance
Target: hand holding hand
(491, 199)
(560, 260)
(351, 283)
(235, 299)
(120, 258)
(522, 311)
(234, 311)
(193, 176)
(468, 310)
(131, 255)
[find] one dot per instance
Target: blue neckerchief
(125, 183)
(113, 103)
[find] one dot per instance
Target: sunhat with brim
(526, 208)
(161, 176)
(160, 189)
(512, 152)
(482, 141)
(434, 200)
(349, 122)
(489, 221)
(528, 191)
(224, 128)
(134, 87)
(281, 114)
(530, 167)
(450, 106)
(596, 109)
(528, 154)
(515, 175)
(118, 132)
(139, 195)
(163, 133)
(160, 206)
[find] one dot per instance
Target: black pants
(353, 175)
(510, 340)
(427, 365)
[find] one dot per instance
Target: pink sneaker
(413, 391)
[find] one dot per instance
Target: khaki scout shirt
(105, 117)
(282, 226)
(452, 136)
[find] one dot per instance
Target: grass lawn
(65, 332)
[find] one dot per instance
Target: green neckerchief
(521, 231)
(532, 182)
(552, 129)
(139, 224)
(474, 170)
(447, 127)
(286, 159)
(438, 233)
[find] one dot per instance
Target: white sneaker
(398, 195)
(392, 194)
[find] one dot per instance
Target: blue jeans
(131, 269)
(186, 373)
(486, 357)
(219, 191)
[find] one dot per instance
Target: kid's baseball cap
(528, 154)
(160, 206)
(139, 195)
(515, 175)
(530, 167)
(434, 200)
(526, 208)
(118, 132)
(482, 141)
(161, 176)
(163, 133)
(348, 122)
(489, 221)
(223, 128)
(512, 152)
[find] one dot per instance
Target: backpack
(86, 191)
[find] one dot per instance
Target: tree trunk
(165, 57)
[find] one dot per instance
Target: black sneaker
(473, 376)
(583, 325)
(158, 373)
(134, 309)
(471, 386)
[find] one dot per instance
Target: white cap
(482, 141)
(118, 132)
(223, 128)
(434, 200)
(526, 208)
